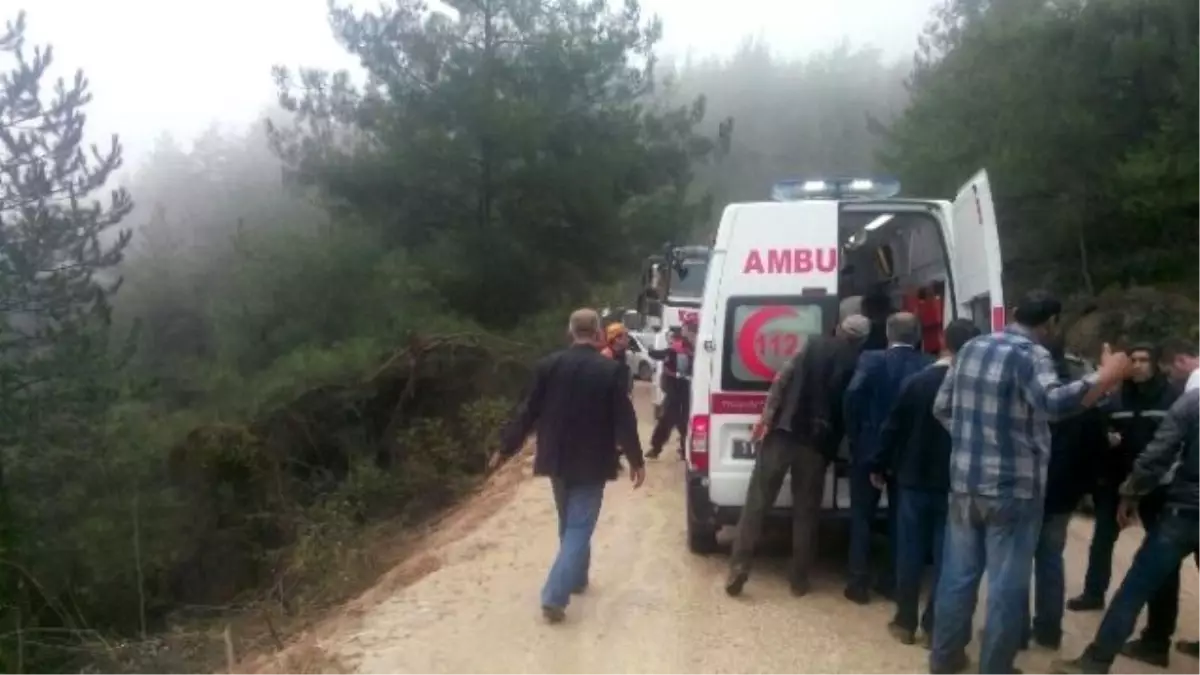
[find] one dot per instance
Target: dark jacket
(872, 392)
(1075, 442)
(676, 359)
(1175, 447)
(914, 448)
(582, 412)
(809, 392)
(1135, 414)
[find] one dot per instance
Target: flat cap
(856, 326)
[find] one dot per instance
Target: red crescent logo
(749, 333)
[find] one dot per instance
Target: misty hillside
(216, 381)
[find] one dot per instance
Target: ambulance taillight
(698, 458)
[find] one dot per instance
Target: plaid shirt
(997, 401)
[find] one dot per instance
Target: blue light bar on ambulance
(834, 188)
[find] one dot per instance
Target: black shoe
(857, 594)
(1085, 603)
(1188, 648)
(553, 614)
(800, 587)
(903, 635)
(1154, 655)
(654, 453)
(736, 582)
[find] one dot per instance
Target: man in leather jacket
(801, 429)
(1174, 452)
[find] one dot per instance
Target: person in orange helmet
(616, 347)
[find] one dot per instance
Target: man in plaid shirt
(997, 401)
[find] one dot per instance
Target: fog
(178, 67)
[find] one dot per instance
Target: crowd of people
(983, 452)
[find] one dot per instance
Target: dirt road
(652, 606)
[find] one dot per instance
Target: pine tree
(58, 250)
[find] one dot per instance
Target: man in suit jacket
(868, 400)
(580, 407)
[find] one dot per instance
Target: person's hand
(637, 476)
(879, 481)
(1114, 365)
(1127, 512)
(495, 461)
(1114, 439)
(759, 430)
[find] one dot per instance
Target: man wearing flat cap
(800, 429)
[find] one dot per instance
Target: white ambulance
(777, 274)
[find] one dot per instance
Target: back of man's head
(584, 326)
(855, 327)
(1174, 347)
(1038, 309)
(958, 333)
(903, 328)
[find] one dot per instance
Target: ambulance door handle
(710, 345)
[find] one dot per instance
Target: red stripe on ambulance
(790, 261)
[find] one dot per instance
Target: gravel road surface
(468, 602)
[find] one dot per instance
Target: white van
(777, 274)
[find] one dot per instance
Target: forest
(224, 370)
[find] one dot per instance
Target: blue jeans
(920, 527)
(1104, 537)
(578, 510)
(864, 503)
(1049, 578)
(1171, 540)
(999, 535)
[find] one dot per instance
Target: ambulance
(777, 274)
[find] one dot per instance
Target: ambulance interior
(897, 255)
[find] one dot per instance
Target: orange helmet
(614, 331)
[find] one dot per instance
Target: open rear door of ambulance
(977, 265)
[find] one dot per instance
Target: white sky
(179, 65)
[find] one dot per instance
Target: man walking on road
(914, 455)
(869, 397)
(997, 401)
(581, 409)
(802, 426)
(1175, 448)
